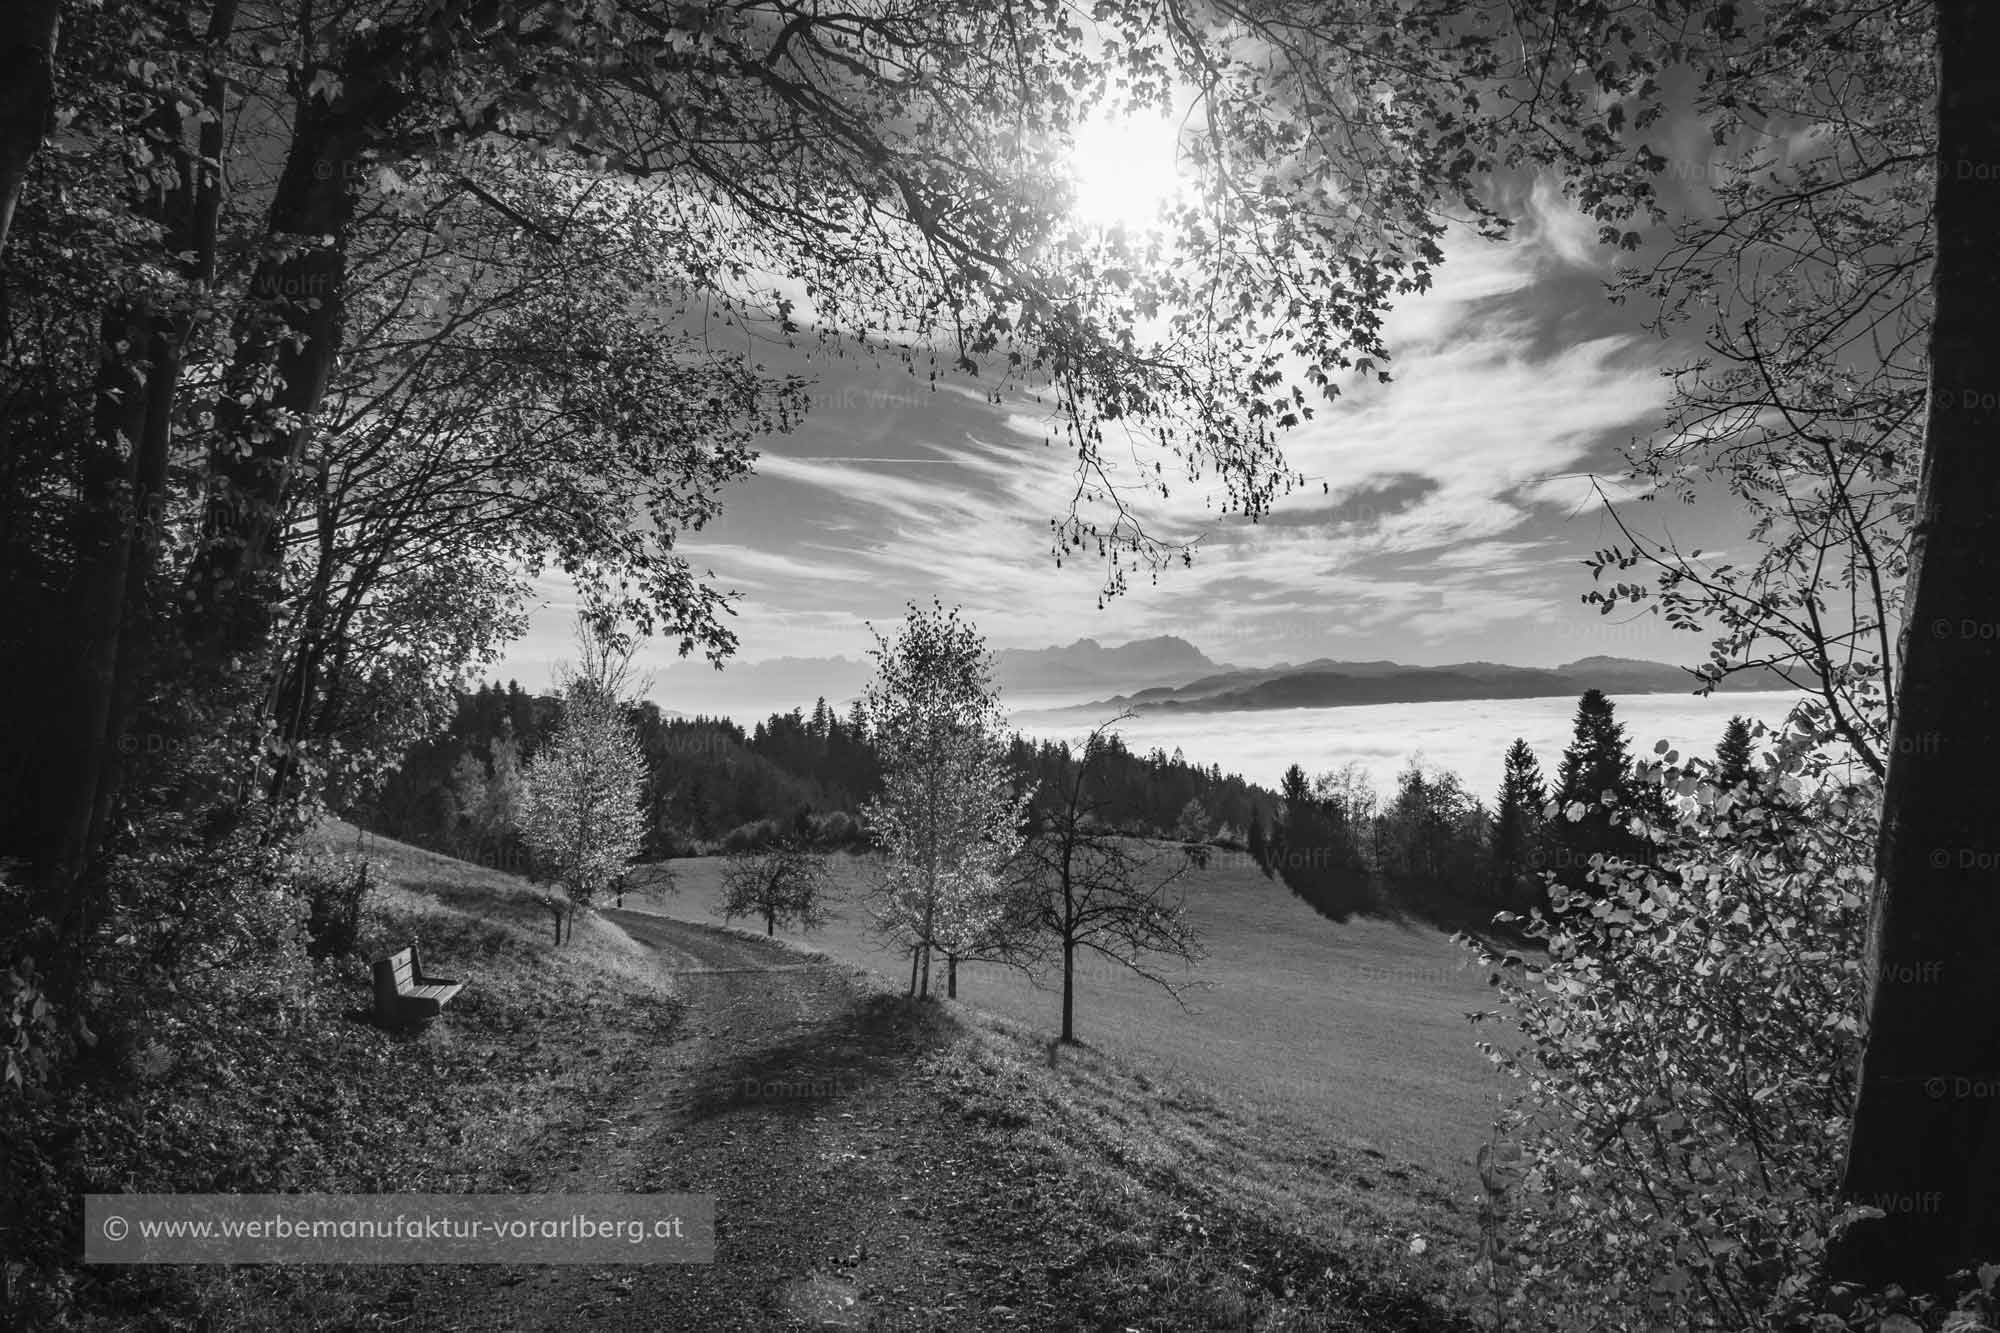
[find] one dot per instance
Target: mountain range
(1325, 683)
(1075, 672)
(1168, 672)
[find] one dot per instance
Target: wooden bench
(404, 994)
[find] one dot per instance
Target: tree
(1593, 783)
(1193, 828)
(1091, 888)
(947, 818)
(786, 884)
(1316, 846)
(1259, 844)
(1926, 1124)
(1733, 754)
(583, 821)
(1434, 844)
(1517, 826)
(465, 801)
(1806, 402)
(27, 73)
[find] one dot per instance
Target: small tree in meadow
(948, 818)
(1086, 889)
(582, 818)
(786, 885)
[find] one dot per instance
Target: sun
(1125, 169)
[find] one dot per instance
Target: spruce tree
(1593, 791)
(1732, 756)
(1517, 825)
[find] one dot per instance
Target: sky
(1445, 517)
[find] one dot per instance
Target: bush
(1692, 1040)
(837, 829)
(754, 836)
(335, 890)
(34, 1038)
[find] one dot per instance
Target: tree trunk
(288, 340)
(770, 922)
(27, 100)
(301, 675)
(1925, 1144)
(1069, 991)
(285, 351)
(951, 976)
(137, 394)
(926, 991)
(913, 973)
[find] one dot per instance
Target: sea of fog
(1468, 736)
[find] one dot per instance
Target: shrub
(1690, 1059)
(335, 890)
(837, 829)
(34, 1038)
(751, 837)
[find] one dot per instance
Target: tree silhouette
(1593, 785)
(1517, 827)
(1732, 756)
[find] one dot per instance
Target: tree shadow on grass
(870, 1041)
(1414, 905)
(515, 907)
(1419, 906)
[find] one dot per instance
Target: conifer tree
(1593, 789)
(1517, 825)
(1732, 756)
(1260, 853)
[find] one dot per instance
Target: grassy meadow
(1354, 1030)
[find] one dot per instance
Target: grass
(1354, 1033)
(1137, 1192)
(1178, 1214)
(293, 1090)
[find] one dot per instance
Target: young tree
(465, 800)
(1593, 791)
(1733, 754)
(1091, 888)
(947, 818)
(506, 790)
(786, 884)
(1193, 825)
(1517, 826)
(584, 821)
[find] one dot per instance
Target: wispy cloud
(1442, 516)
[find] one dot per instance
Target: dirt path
(845, 1195)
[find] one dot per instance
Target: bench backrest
(402, 969)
